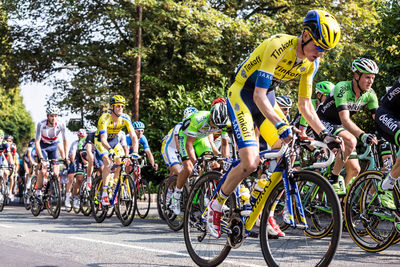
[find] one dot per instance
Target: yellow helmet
(117, 99)
(323, 28)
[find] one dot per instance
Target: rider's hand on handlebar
(284, 131)
(331, 140)
(111, 153)
(368, 139)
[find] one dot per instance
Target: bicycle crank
(236, 237)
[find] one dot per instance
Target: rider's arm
(225, 147)
(349, 124)
(10, 158)
(104, 142)
(62, 154)
(38, 149)
(307, 110)
(135, 142)
(262, 102)
(213, 146)
(190, 149)
(151, 159)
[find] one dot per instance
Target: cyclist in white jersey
(46, 142)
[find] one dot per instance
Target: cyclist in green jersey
(335, 113)
(194, 142)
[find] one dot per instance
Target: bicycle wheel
(125, 208)
(160, 198)
(84, 194)
(364, 213)
(175, 222)
(99, 213)
(297, 247)
(204, 249)
(53, 197)
(143, 198)
(317, 211)
(2, 196)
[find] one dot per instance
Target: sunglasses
(285, 109)
(140, 131)
(319, 49)
(119, 106)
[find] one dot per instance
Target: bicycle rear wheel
(143, 198)
(369, 223)
(125, 208)
(84, 194)
(2, 196)
(175, 222)
(204, 249)
(53, 198)
(297, 247)
(98, 211)
(160, 198)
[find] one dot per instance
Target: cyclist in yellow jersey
(251, 98)
(106, 140)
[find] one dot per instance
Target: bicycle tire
(360, 217)
(28, 195)
(302, 249)
(316, 210)
(203, 249)
(99, 213)
(2, 197)
(53, 199)
(143, 198)
(175, 222)
(160, 198)
(84, 195)
(126, 198)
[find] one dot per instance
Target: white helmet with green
(364, 65)
(324, 87)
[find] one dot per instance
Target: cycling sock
(177, 193)
(220, 201)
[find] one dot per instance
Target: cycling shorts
(201, 146)
(49, 151)
(244, 114)
(98, 161)
(387, 124)
(168, 151)
(114, 145)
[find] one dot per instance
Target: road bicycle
(296, 247)
(122, 195)
(51, 198)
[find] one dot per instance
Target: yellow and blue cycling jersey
(269, 65)
(106, 125)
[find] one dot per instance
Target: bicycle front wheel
(99, 212)
(160, 198)
(143, 198)
(369, 222)
(204, 249)
(125, 208)
(297, 248)
(175, 221)
(53, 198)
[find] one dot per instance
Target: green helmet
(324, 87)
(1, 133)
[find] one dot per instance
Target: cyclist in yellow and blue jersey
(251, 98)
(106, 142)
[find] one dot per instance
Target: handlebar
(331, 158)
(271, 154)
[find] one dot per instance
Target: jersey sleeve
(306, 80)
(192, 125)
(143, 141)
(128, 123)
(38, 131)
(340, 97)
(102, 123)
(373, 102)
(268, 64)
(81, 143)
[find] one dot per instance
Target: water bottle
(258, 188)
(244, 194)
